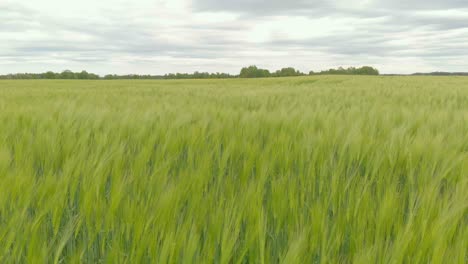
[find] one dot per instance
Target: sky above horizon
(163, 36)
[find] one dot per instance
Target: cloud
(420, 4)
(279, 7)
(257, 6)
(162, 36)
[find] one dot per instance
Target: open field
(326, 169)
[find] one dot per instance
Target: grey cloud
(383, 41)
(253, 6)
(107, 41)
(15, 18)
(438, 22)
(262, 7)
(382, 31)
(420, 4)
(344, 44)
(398, 15)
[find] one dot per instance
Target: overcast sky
(162, 36)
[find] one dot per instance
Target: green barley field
(326, 169)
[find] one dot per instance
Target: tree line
(441, 74)
(246, 72)
(83, 75)
(254, 72)
(195, 75)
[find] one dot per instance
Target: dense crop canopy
(322, 169)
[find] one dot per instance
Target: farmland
(321, 169)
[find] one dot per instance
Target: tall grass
(302, 170)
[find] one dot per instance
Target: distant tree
(83, 75)
(67, 74)
(254, 72)
(93, 76)
(109, 77)
(286, 72)
(366, 70)
(246, 72)
(49, 75)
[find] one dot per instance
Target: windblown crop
(327, 169)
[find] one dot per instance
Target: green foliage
(365, 70)
(49, 75)
(254, 72)
(195, 75)
(247, 72)
(443, 73)
(67, 74)
(287, 72)
(301, 170)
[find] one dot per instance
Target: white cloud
(160, 36)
